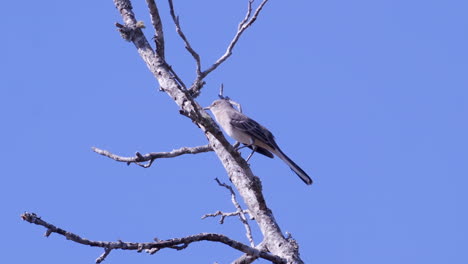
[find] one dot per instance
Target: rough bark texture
(241, 176)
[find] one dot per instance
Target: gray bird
(250, 133)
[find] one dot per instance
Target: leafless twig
(220, 95)
(243, 25)
(240, 212)
(103, 255)
(224, 215)
(159, 37)
(176, 243)
(247, 184)
(182, 35)
(176, 77)
(198, 83)
(150, 157)
(158, 27)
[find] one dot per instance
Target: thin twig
(243, 25)
(247, 15)
(104, 255)
(224, 215)
(182, 35)
(240, 211)
(158, 27)
(247, 184)
(239, 107)
(175, 243)
(176, 77)
(150, 157)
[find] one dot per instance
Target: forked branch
(150, 247)
(247, 184)
(248, 20)
(243, 25)
(239, 212)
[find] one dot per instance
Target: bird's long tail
(294, 167)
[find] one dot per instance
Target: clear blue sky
(369, 97)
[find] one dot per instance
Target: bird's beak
(206, 108)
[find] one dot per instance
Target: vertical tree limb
(241, 176)
(158, 27)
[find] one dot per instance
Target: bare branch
(239, 107)
(248, 185)
(103, 256)
(221, 91)
(247, 15)
(243, 25)
(198, 83)
(247, 259)
(221, 96)
(175, 243)
(182, 35)
(240, 211)
(150, 157)
(158, 27)
(176, 77)
(224, 215)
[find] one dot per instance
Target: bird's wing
(262, 151)
(250, 126)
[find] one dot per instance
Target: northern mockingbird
(250, 133)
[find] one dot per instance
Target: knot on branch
(128, 32)
(30, 217)
(292, 241)
(194, 91)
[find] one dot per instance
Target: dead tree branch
(182, 35)
(248, 185)
(175, 243)
(247, 259)
(221, 96)
(240, 211)
(243, 25)
(198, 83)
(159, 36)
(224, 215)
(104, 255)
(282, 250)
(151, 157)
(158, 27)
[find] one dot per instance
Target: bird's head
(219, 104)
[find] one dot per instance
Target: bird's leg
(254, 148)
(236, 145)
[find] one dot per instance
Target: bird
(250, 133)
